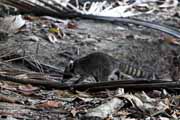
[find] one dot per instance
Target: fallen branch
(163, 28)
(129, 84)
(58, 10)
(45, 67)
(33, 65)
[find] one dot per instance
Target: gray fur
(102, 67)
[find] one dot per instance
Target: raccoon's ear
(71, 64)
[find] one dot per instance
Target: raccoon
(98, 65)
(102, 67)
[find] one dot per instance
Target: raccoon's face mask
(69, 70)
(115, 75)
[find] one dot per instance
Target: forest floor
(132, 44)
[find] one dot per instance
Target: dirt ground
(133, 44)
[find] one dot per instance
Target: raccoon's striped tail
(136, 72)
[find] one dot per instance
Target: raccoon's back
(97, 64)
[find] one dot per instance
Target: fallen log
(128, 84)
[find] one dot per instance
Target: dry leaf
(31, 18)
(83, 94)
(12, 23)
(64, 94)
(22, 76)
(171, 40)
(134, 100)
(52, 38)
(74, 112)
(57, 31)
(53, 30)
(7, 99)
(123, 113)
(72, 25)
(8, 87)
(178, 113)
(27, 89)
(107, 108)
(108, 118)
(49, 104)
(169, 4)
